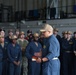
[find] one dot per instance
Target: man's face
(22, 36)
(17, 32)
(2, 33)
(2, 39)
(10, 33)
(69, 35)
(55, 32)
(14, 41)
(36, 38)
(45, 34)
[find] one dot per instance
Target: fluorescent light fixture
(23, 21)
(12, 24)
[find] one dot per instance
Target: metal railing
(8, 15)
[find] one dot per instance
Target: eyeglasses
(44, 32)
(69, 34)
(14, 39)
(36, 37)
(2, 37)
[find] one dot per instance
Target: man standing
(24, 62)
(55, 32)
(50, 52)
(10, 34)
(3, 47)
(33, 53)
(67, 54)
(1, 56)
(14, 56)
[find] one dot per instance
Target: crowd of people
(46, 53)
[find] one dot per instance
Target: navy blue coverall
(67, 56)
(1, 57)
(14, 54)
(74, 49)
(34, 67)
(51, 50)
(5, 59)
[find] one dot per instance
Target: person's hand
(18, 63)
(44, 59)
(15, 63)
(38, 60)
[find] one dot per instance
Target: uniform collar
(50, 36)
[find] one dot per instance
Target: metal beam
(47, 10)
